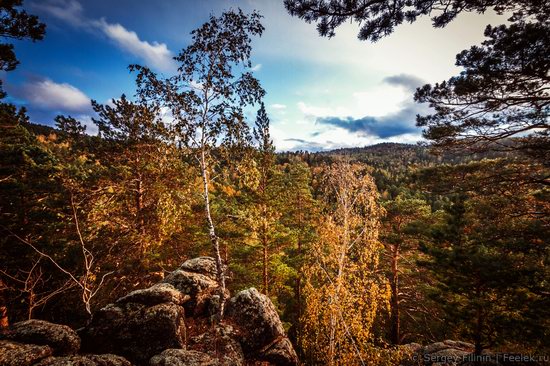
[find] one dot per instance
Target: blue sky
(321, 93)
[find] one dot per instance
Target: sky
(322, 93)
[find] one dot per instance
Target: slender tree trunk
(394, 284)
(478, 337)
(31, 304)
(212, 233)
(265, 259)
(139, 204)
(298, 289)
(4, 321)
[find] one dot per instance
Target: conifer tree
(265, 164)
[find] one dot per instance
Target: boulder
(202, 265)
(197, 287)
(220, 342)
(449, 357)
(182, 357)
(156, 294)
(18, 354)
(135, 331)
(260, 328)
(410, 348)
(280, 353)
(86, 360)
(62, 339)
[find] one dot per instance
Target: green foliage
(378, 18)
(16, 24)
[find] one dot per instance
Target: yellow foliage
(343, 289)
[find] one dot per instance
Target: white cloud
(278, 107)
(380, 101)
(256, 67)
(69, 11)
(316, 111)
(156, 55)
(62, 96)
(91, 127)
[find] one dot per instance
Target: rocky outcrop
(455, 353)
(86, 360)
(198, 289)
(62, 339)
(220, 340)
(18, 354)
(182, 357)
(135, 331)
(157, 294)
(260, 329)
(40, 343)
(202, 265)
(168, 324)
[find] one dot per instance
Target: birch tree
(344, 289)
(207, 97)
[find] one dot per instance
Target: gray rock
(411, 347)
(62, 339)
(281, 353)
(190, 283)
(18, 354)
(156, 294)
(86, 360)
(459, 345)
(449, 357)
(198, 287)
(182, 357)
(260, 326)
(221, 343)
(202, 265)
(135, 331)
(434, 347)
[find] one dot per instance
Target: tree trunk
(31, 304)
(394, 284)
(139, 204)
(298, 284)
(4, 321)
(213, 237)
(265, 263)
(478, 337)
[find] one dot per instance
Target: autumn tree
(343, 289)
(207, 96)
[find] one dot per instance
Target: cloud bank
(391, 125)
